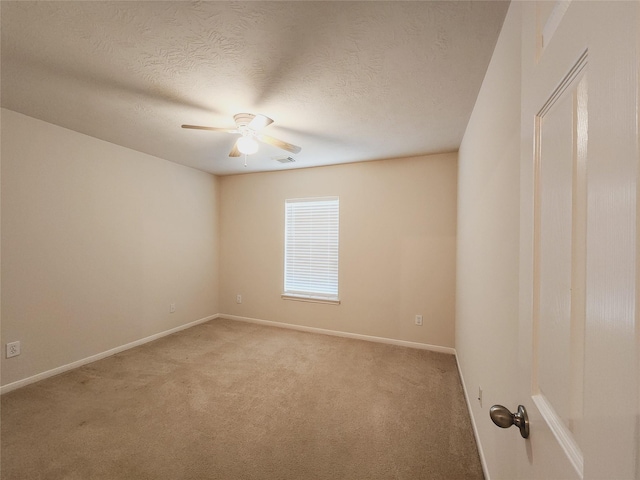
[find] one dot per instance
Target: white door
(579, 330)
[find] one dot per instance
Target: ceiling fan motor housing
(243, 119)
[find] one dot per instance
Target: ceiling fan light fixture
(249, 127)
(247, 145)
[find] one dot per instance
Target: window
(311, 249)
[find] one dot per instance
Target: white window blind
(311, 247)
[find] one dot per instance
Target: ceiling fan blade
(234, 150)
(289, 147)
(259, 122)
(214, 129)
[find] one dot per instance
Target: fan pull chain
(245, 160)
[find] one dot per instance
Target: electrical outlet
(238, 298)
(13, 349)
(480, 396)
(172, 308)
(418, 319)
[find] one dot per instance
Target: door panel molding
(560, 149)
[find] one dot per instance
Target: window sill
(310, 299)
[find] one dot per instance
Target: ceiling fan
(249, 126)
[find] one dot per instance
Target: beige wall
(397, 247)
(97, 241)
(488, 247)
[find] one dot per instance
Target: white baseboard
(336, 333)
(64, 368)
(483, 461)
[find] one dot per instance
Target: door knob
(503, 418)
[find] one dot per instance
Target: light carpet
(232, 400)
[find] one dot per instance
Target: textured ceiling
(347, 81)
